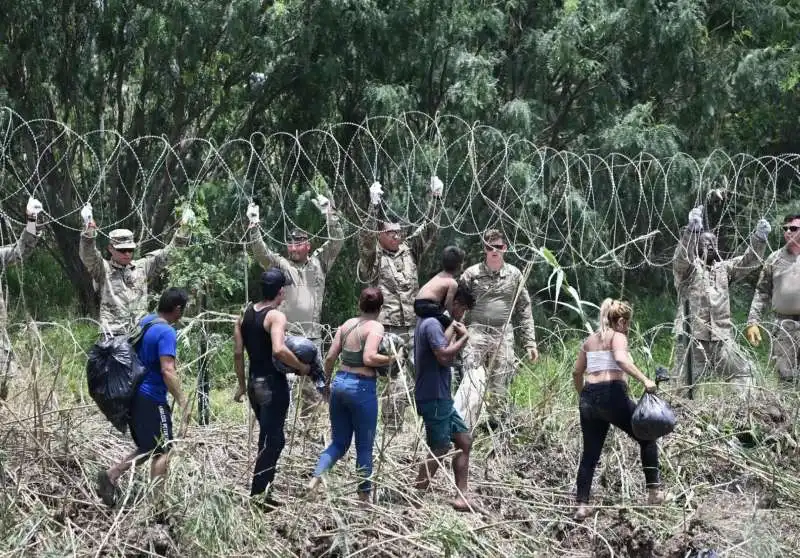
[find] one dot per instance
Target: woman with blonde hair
(600, 380)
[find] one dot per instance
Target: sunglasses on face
(495, 247)
(125, 250)
(791, 228)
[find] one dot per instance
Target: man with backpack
(150, 419)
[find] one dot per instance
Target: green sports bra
(349, 357)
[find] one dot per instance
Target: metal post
(203, 382)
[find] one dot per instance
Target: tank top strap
(350, 330)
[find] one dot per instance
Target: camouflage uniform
(494, 295)
(714, 350)
(303, 299)
(778, 289)
(10, 255)
(123, 289)
(396, 276)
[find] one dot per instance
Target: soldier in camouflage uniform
(703, 278)
(121, 280)
(390, 263)
(303, 301)
(496, 286)
(9, 255)
(778, 289)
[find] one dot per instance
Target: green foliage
(595, 77)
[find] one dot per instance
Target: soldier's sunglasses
(495, 247)
(124, 250)
(791, 228)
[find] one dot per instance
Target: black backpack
(114, 372)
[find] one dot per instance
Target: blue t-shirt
(160, 340)
(433, 379)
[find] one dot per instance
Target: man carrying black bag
(150, 419)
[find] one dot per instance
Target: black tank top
(257, 342)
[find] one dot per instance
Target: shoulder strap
(350, 330)
(136, 337)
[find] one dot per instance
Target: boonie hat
(122, 239)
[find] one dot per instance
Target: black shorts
(151, 425)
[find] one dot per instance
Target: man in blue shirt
(150, 417)
(434, 351)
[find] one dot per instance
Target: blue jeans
(354, 411)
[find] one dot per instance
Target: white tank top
(600, 361)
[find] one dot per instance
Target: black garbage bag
(114, 373)
(652, 418)
(306, 352)
(385, 348)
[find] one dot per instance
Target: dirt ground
(732, 472)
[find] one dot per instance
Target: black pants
(602, 405)
(425, 308)
(269, 398)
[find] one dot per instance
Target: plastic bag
(113, 373)
(652, 418)
(470, 394)
(306, 352)
(385, 348)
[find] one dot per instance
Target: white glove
(86, 214)
(323, 204)
(34, 207)
(696, 219)
(188, 217)
(763, 228)
(253, 214)
(375, 193)
(437, 186)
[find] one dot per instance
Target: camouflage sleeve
(265, 257)
(423, 238)
(522, 318)
(156, 261)
(467, 277)
(685, 254)
(15, 253)
(368, 248)
(329, 251)
(741, 266)
(91, 258)
(762, 298)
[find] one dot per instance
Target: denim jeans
(354, 412)
(602, 405)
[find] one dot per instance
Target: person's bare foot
(313, 484)
(583, 511)
(461, 504)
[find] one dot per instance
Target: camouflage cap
(122, 239)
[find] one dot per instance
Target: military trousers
(307, 401)
(493, 350)
(719, 360)
(786, 349)
(401, 388)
